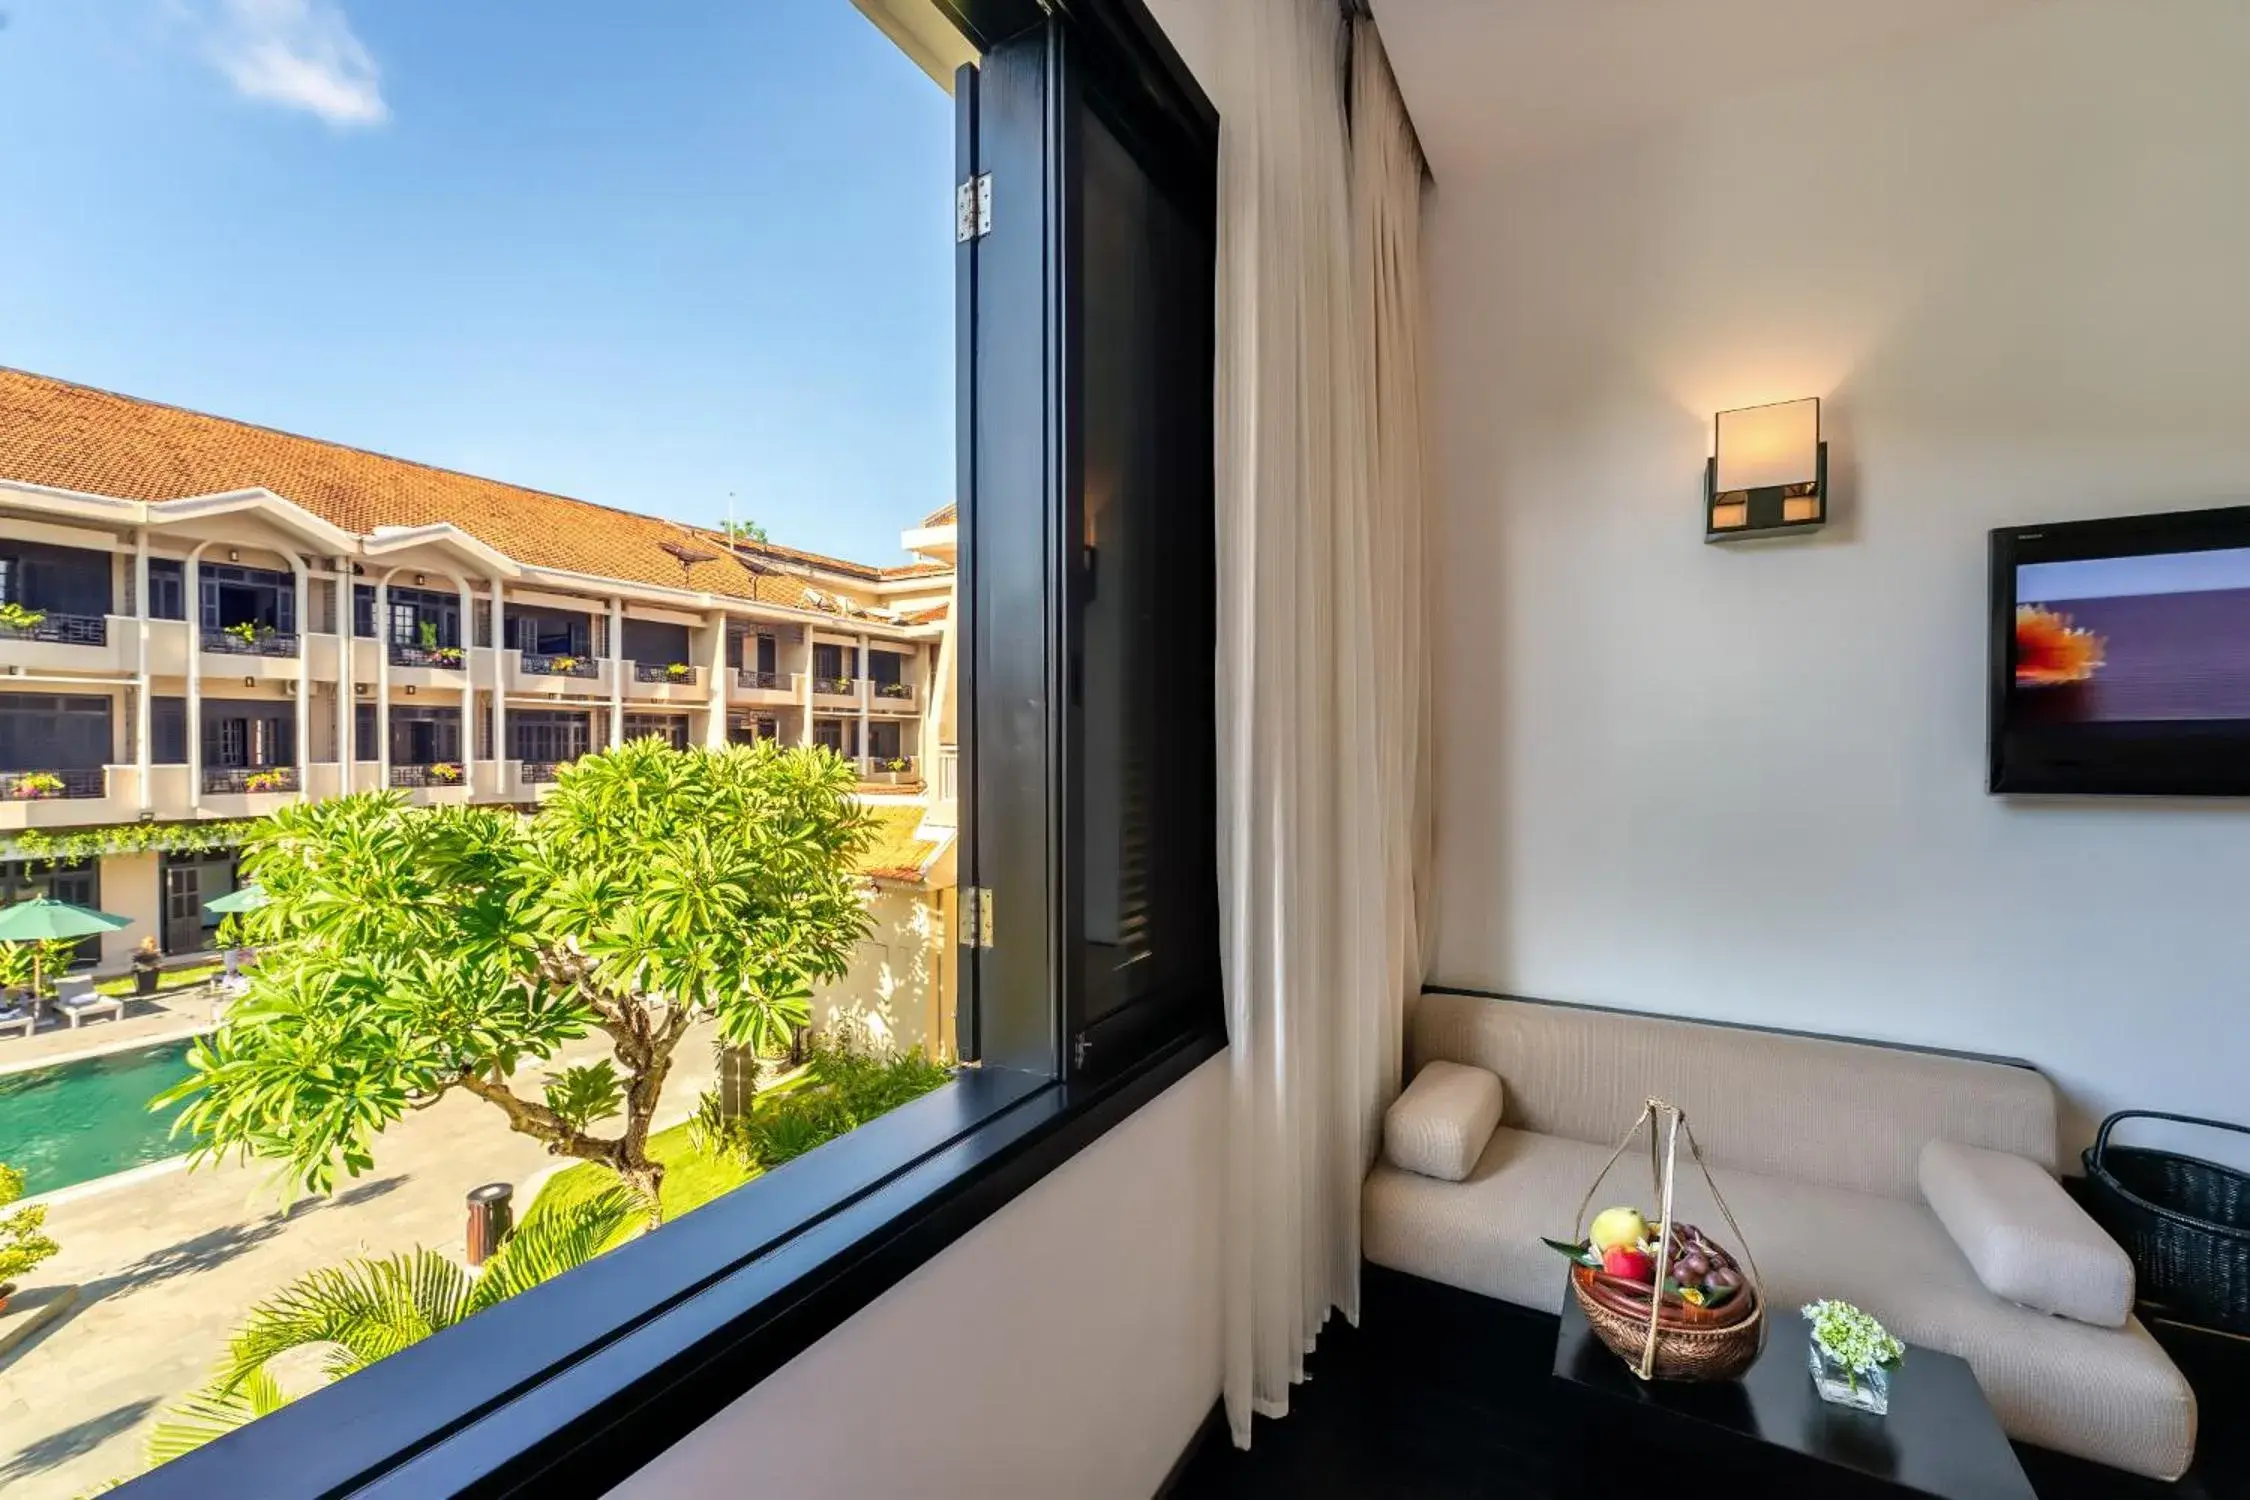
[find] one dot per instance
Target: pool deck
(167, 1261)
(147, 1021)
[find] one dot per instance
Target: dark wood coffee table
(1940, 1438)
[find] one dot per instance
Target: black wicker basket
(2184, 1221)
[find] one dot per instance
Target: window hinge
(1080, 1050)
(972, 209)
(976, 917)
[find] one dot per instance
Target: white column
(500, 756)
(866, 695)
(191, 582)
(616, 672)
(383, 680)
(144, 713)
(302, 698)
(804, 730)
(469, 686)
(347, 675)
(715, 725)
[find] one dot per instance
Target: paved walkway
(167, 1266)
(147, 1020)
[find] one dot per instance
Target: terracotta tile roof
(930, 616)
(944, 515)
(896, 853)
(917, 570)
(76, 437)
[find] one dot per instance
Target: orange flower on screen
(2050, 651)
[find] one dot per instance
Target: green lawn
(170, 979)
(691, 1179)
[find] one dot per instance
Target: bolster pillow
(1439, 1126)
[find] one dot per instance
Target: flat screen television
(2120, 656)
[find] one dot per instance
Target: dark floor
(1440, 1394)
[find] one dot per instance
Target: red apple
(1631, 1265)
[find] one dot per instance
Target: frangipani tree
(407, 953)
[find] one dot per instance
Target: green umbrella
(248, 898)
(43, 917)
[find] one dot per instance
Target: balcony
(779, 689)
(242, 781)
(54, 799)
(555, 676)
(248, 791)
(53, 628)
(70, 643)
(444, 658)
(667, 682)
(892, 697)
(244, 641)
(443, 781)
(836, 693)
(896, 770)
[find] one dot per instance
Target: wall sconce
(1768, 472)
(410, 690)
(249, 682)
(360, 688)
(233, 555)
(419, 579)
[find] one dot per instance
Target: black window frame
(573, 1386)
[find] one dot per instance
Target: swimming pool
(85, 1119)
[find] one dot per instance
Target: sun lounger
(78, 1000)
(18, 1017)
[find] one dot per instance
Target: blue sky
(644, 262)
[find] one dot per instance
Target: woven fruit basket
(1676, 1305)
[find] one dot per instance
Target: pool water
(80, 1120)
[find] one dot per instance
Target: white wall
(1067, 1346)
(1747, 782)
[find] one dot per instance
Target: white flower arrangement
(1853, 1338)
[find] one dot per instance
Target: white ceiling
(1496, 83)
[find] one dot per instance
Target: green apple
(1614, 1227)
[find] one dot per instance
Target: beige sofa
(1819, 1148)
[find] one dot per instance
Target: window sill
(576, 1384)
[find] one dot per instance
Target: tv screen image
(2120, 656)
(2129, 639)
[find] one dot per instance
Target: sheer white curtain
(1322, 684)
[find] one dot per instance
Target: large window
(645, 1061)
(42, 732)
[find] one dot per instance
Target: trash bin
(491, 1216)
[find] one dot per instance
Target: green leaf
(1582, 1253)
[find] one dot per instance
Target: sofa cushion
(1846, 1114)
(2024, 1237)
(1439, 1125)
(2107, 1394)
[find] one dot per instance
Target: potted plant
(148, 962)
(22, 1246)
(679, 671)
(14, 616)
(274, 780)
(31, 786)
(1852, 1356)
(427, 632)
(447, 656)
(841, 686)
(563, 663)
(445, 773)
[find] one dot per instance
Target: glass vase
(1836, 1382)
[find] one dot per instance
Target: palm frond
(366, 1309)
(213, 1413)
(551, 1241)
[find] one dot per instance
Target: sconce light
(233, 555)
(249, 682)
(410, 690)
(1768, 472)
(360, 688)
(418, 579)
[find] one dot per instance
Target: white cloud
(300, 54)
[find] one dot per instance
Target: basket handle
(2101, 1137)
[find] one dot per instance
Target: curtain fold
(1323, 692)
